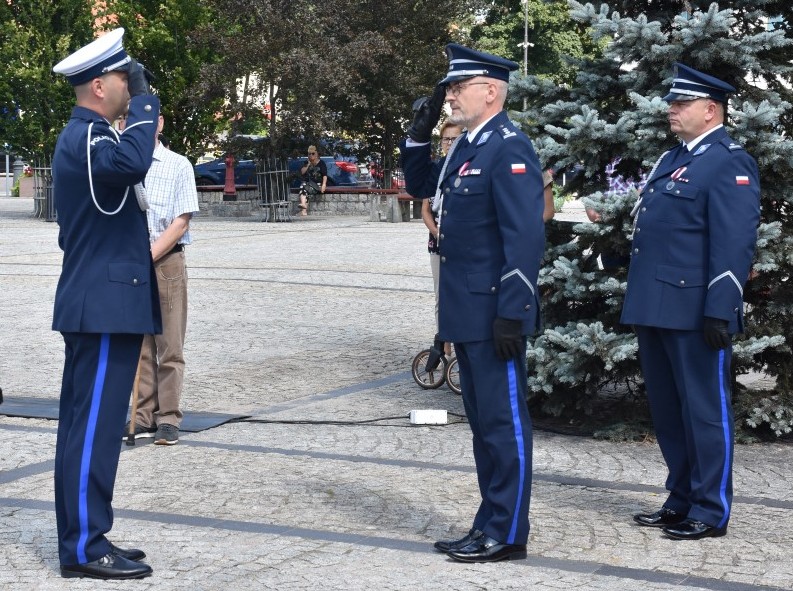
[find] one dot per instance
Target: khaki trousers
(162, 356)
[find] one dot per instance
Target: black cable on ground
(359, 423)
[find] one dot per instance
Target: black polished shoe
(660, 518)
(486, 549)
(110, 566)
(447, 545)
(691, 529)
(128, 553)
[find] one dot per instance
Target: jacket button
(638, 229)
(682, 282)
(635, 251)
(445, 212)
(527, 307)
(677, 192)
(448, 190)
(644, 209)
(651, 190)
(440, 237)
(492, 289)
(465, 190)
(135, 281)
(736, 310)
(443, 259)
(147, 108)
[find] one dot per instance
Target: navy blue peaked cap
(467, 63)
(690, 84)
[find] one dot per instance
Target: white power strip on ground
(428, 417)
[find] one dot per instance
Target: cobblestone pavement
(308, 327)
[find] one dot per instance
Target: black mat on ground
(47, 408)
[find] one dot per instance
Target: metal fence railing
(272, 182)
(43, 197)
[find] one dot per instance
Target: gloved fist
(426, 113)
(507, 338)
(716, 335)
(138, 79)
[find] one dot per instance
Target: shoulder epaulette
(731, 145)
(506, 132)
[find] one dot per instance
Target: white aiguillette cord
(437, 201)
(635, 209)
(90, 176)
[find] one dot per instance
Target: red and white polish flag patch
(741, 180)
(519, 168)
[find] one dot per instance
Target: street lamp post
(525, 39)
(526, 43)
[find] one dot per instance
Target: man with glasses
(694, 237)
(489, 192)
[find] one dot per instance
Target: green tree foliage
(164, 36)
(338, 67)
(613, 109)
(35, 103)
(553, 37)
(398, 58)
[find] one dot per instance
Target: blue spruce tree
(613, 114)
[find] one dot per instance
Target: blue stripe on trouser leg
(725, 421)
(497, 413)
(88, 444)
(83, 500)
(513, 399)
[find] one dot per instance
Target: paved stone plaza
(308, 327)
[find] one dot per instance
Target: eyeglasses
(449, 140)
(456, 89)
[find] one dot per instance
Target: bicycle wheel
(452, 376)
(429, 380)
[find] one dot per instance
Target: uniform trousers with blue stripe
(688, 386)
(494, 395)
(98, 375)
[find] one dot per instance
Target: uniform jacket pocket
(682, 190)
(134, 274)
(682, 277)
(482, 283)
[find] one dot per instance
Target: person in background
(106, 298)
(547, 193)
(449, 133)
(315, 178)
(173, 199)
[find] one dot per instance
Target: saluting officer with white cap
(488, 193)
(106, 298)
(693, 242)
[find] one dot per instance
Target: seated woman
(315, 178)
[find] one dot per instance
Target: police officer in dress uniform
(694, 238)
(106, 298)
(491, 239)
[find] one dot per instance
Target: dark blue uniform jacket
(107, 283)
(694, 239)
(492, 235)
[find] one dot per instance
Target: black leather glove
(138, 79)
(436, 352)
(716, 334)
(507, 338)
(426, 113)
